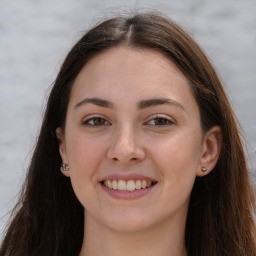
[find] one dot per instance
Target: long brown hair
(48, 220)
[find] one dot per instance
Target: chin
(125, 221)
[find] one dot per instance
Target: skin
(163, 142)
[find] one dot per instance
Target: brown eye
(96, 121)
(159, 121)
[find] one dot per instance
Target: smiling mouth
(129, 185)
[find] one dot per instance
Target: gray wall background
(36, 35)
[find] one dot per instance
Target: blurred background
(35, 36)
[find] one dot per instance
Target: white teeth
(143, 184)
(138, 184)
(121, 185)
(114, 184)
(129, 185)
(109, 184)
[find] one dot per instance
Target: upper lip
(127, 177)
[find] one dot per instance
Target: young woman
(139, 153)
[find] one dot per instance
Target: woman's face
(132, 140)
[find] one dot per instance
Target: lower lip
(128, 195)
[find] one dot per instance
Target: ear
(211, 148)
(62, 149)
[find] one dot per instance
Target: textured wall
(36, 35)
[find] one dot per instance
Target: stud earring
(64, 167)
(204, 169)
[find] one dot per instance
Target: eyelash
(163, 122)
(93, 119)
(167, 121)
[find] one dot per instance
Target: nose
(125, 148)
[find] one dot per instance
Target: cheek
(84, 155)
(177, 156)
(175, 159)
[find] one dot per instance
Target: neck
(160, 240)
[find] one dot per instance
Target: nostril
(116, 159)
(125, 154)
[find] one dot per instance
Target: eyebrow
(155, 102)
(95, 101)
(141, 105)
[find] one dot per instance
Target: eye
(159, 121)
(95, 122)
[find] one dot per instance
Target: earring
(204, 169)
(64, 167)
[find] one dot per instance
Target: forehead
(134, 60)
(123, 71)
